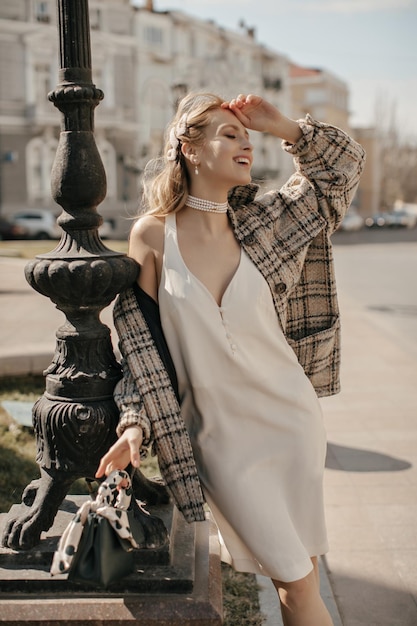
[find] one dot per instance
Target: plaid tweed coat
(286, 233)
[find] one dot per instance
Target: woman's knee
(297, 593)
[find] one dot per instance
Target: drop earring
(196, 170)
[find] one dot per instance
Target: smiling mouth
(242, 161)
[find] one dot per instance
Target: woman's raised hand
(254, 112)
(258, 114)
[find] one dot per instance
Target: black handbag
(102, 556)
(97, 546)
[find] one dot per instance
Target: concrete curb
(34, 362)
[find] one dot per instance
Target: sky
(369, 44)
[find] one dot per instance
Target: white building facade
(143, 60)
(178, 54)
(30, 124)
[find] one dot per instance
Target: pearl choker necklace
(207, 205)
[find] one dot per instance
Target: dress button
(249, 240)
(280, 288)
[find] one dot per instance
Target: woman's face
(226, 155)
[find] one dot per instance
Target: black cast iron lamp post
(75, 419)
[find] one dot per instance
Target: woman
(248, 308)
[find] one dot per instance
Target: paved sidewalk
(28, 322)
(371, 474)
(371, 477)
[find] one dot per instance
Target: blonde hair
(165, 184)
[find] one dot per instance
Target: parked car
(352, 221)
(10, 230)
(39, 223)
(378, 220)
(392, 219)
(401, 219)
(106, 230)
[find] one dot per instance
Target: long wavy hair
(166, 183)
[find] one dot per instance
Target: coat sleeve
(131, 409)
(329, 163)
(146, 397)
(127, 396)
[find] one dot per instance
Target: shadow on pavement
(376, 603)
(406, 310)
(347, 459)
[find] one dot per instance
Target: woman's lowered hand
(124, 451)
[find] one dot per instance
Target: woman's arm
(328, 162)
(146, 247)
(134, 429)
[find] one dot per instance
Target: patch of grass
(26, 248)
(18, 447)
(17, 461)
(240, 598)
(30, 248)
(22, 388)
(17, 443)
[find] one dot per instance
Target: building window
(42, 82)
(40, 155)
(272, 83)
(316, 95)
(95, 19)
(319, 112)
(42, 12)
(108, 156)
(153, 35)
(193, 47)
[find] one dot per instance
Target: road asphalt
(370, 574)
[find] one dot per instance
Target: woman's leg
(301, 603)
(315, 562)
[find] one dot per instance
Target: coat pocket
(319, 355)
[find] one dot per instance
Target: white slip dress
(254, 419)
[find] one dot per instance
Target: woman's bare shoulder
(146, 246)
(148, 231)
